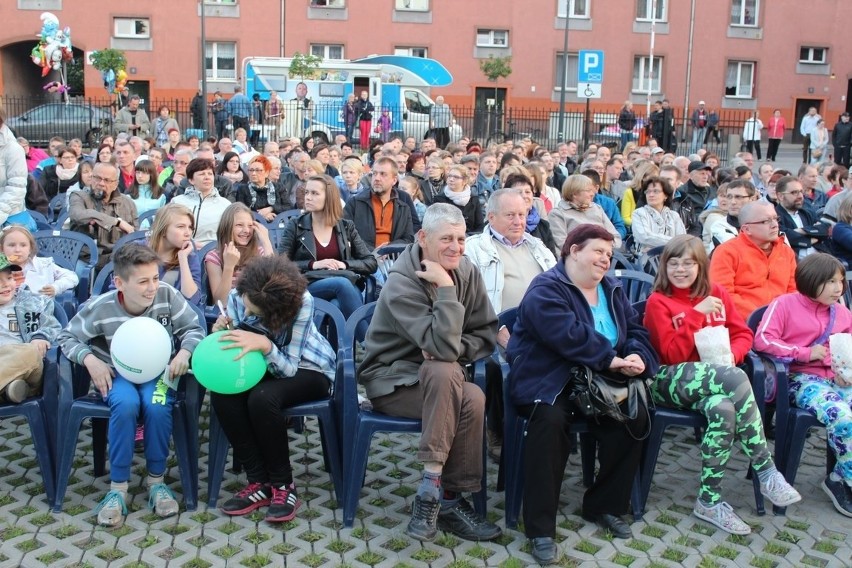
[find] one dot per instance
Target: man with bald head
(758, 265)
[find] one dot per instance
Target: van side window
(412, 102)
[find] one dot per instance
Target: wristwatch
(117, 221)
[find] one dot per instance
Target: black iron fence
(40, 118)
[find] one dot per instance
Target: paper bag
(714, 345)
(840, 347)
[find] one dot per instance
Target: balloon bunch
(54, 46)
(114, 82)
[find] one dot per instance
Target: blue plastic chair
(277, 225)
(148, 216)
(211, 312)
(514, 431)
(58, 205)
(76, 403)
(650, 261)
(129, 238)
(791, 423)
(637, 285)
(330, 322)
(40, 414)
(40, 220)
(103, 281)
(360, 425)
(65, 248)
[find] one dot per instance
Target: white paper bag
(37, 279)
(840, 347)
(714, 345)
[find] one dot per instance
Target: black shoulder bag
(596, 395)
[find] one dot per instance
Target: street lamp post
(204, 115)
(561, 130)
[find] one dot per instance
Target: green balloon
(215, 368)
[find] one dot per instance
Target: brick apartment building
(733, 54)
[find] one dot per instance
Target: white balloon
(141, 349)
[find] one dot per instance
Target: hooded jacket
(453, 323)
(13, 175)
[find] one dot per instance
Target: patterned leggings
(830, 403)
(724, 396)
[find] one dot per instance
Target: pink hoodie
(791, 324)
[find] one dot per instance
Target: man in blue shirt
(239, 109)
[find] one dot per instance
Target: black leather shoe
(613, 524)
(544, 550)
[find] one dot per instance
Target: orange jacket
(751, 277)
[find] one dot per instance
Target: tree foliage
(496, 68)
(106, 59)
(304, 65)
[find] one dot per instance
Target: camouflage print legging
(724, 396)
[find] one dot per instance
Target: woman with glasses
(654, 222)
(458, 192)
(260, 194)
(231, 169)
(435, 180)
(57, 179)
(682, 303)
(577, 208)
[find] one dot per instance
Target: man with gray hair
(132, 119)
(440, 118)
(432, 320)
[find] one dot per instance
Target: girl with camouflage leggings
(683, 302)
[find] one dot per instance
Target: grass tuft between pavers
(825, 546)
(725, 552)
(340, 546)
(813, 561)
(369, 558)
(480, 552)
(256, 561)
(640, 545)
(313, 560)
(623, 559)
(284, 548)
(110, 554)
(51, 557)
(762, 562)
(197, 563)
(426, 555)
(674, 555)
(587, 547)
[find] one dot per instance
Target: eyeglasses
(455, 176)
(653, 191)
(99, 179)
(180, 163)
(738, 197)
(687, 264)
(793, 193)
(256, 170)
(766, 222)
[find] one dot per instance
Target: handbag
(816, 153)
(315, 275)
(599, 395)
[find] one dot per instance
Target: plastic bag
(714, 345)
(840, 347)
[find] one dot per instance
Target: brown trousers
(21, 362)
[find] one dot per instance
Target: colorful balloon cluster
(114, 82)
(54, 46)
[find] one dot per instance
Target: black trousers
(442, 137)
(546, 453)
(754, 146)
(257, 429)
(772, 150)
(240, 122)
(806, 149)
(842, 155)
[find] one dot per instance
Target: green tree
(76, 81)
(494, 69)
(304, 65)
(105, 59)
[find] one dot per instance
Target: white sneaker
(779, 491)
(723, 516)
(162, 500)
(112, 510)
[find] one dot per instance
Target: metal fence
(40, 118)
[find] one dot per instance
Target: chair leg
(216, 458)
(588, 455)
(513, 451)
(66, 445)
(44, 454)
(648, 462)
(332, 453)
(99, 443)
(188, 469)
(480, 498)
(355, 475)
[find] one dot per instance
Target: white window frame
(412, 5)
(326, 50)
(335, 4)
(664, 12)
(213, 71)
(571, 6)
(740, 15)
(230, 2)
(645, 74)
(491, 40)
(411, 51)
(811, 59)
(571, 80)
(122, 22)
(741, 66)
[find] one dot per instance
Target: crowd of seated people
(484, 229)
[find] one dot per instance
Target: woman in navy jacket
(574, 314)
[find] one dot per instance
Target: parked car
(73, 120)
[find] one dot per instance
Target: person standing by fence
(440, 118)
(776, 128)
(626, 123)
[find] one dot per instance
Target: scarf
(459, 198)
(533, 218)
(64, 174)
(270, 194)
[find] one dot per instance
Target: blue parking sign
(591, 66)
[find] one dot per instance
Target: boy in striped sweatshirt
(86, 341)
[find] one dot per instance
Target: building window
(327, 51)
(813, 55)
(739, 81)
(645, 9)
(744, 12)
(411, 51)
(221, 60)
(229, 2)
(576, 8)
(328, 3)
(571, 77)
(412, 5)
(133, 28)
(646, 76)
(492, 38)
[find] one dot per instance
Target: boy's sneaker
(139, 440)
(112, 510)
(162, 500)
(16, 391)
(283, 505)
(254, 496)
(840, 495)
(424, 518)
(779, 491)
(722, 515)
(464, 522)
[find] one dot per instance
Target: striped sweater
(92, 329)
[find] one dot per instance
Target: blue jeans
(125, 400)
(339, 291)
(626, 136)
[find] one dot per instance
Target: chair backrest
(640, 308)
(330, 323)
(40, 220)
(637, 285)
(346, 394)
(847, 295)
(103, 280)
(507, 318)
(65, 247)
(59, 314)
(58, 204)
(60, 220)
(753, 320)
(650, 261)
(148, 216)
(620, 260)
(129, 238)
(205, 280)
(390, 254)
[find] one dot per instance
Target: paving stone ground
(812, 533)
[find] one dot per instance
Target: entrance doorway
(802, 106)
(488, 114)
(143, 89)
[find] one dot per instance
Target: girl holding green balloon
(270, 312)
